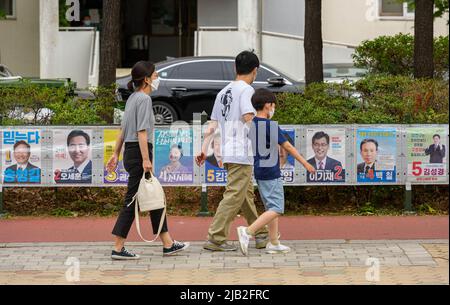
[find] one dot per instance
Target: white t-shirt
(234, 101)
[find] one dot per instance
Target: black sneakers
(176, 247)
(124, 254)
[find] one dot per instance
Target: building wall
(217, 13)
(352, 21)
(284, 16)
(19, 39)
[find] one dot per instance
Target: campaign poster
(325, 151)
(214, 170)
(376, 154)
(287, 162)
(21, 156)
(119, 175)
(174, 156)
(426, 154)
(72, 156)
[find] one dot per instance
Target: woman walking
(137, 130)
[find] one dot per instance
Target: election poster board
(119, 175)
(215, 172)
(376, 150)
(287, 162)
(173, 157)
(21, 156)
(72, 156)
(325, 151)
(427, 154)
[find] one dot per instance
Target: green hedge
(394, 55)
(66, 109)
(373, 100)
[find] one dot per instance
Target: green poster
(427, 154)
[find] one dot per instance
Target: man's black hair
(436, 135)
(246, 62)
(78, 133)
(261, 97)
(320, 135)
(365, 141)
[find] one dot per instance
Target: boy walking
(266, 135)
(233, 113)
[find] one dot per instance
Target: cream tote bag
(150, 196)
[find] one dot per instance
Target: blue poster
(173, 160)
(21, 156)
(376, 154)
(287, 162)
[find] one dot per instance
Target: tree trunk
(313, 42)
(423, 39)
(110, 42)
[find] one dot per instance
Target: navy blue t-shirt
(267, 159)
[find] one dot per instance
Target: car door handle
(179, 89)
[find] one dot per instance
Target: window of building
(395, 8)
(8, 8)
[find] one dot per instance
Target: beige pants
(238, 196)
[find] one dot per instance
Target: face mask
(155, 84)
(271, 113)
(87, 23)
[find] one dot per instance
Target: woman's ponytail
(130, 85)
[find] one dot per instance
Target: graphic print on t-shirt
(226, 101)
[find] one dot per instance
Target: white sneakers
(244, 240)
(272, 249)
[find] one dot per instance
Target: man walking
(233, 113)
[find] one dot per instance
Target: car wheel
(164, 113)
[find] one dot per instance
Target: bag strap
(136, 216)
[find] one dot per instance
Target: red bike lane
(195, 228)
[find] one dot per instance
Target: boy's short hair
(261, 97)
(246, 62)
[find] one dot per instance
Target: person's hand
(200, 159)
(148, 166)
(310, 168)
(112, 163)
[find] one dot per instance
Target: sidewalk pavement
(309, 262)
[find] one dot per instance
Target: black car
(190, 85)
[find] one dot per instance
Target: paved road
(310, 262)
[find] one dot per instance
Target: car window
(206, 70)
(264, 74)
(167, 73)
(229, 70)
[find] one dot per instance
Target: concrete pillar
(48, 35)
(249, 24)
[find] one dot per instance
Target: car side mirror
(276, 81)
